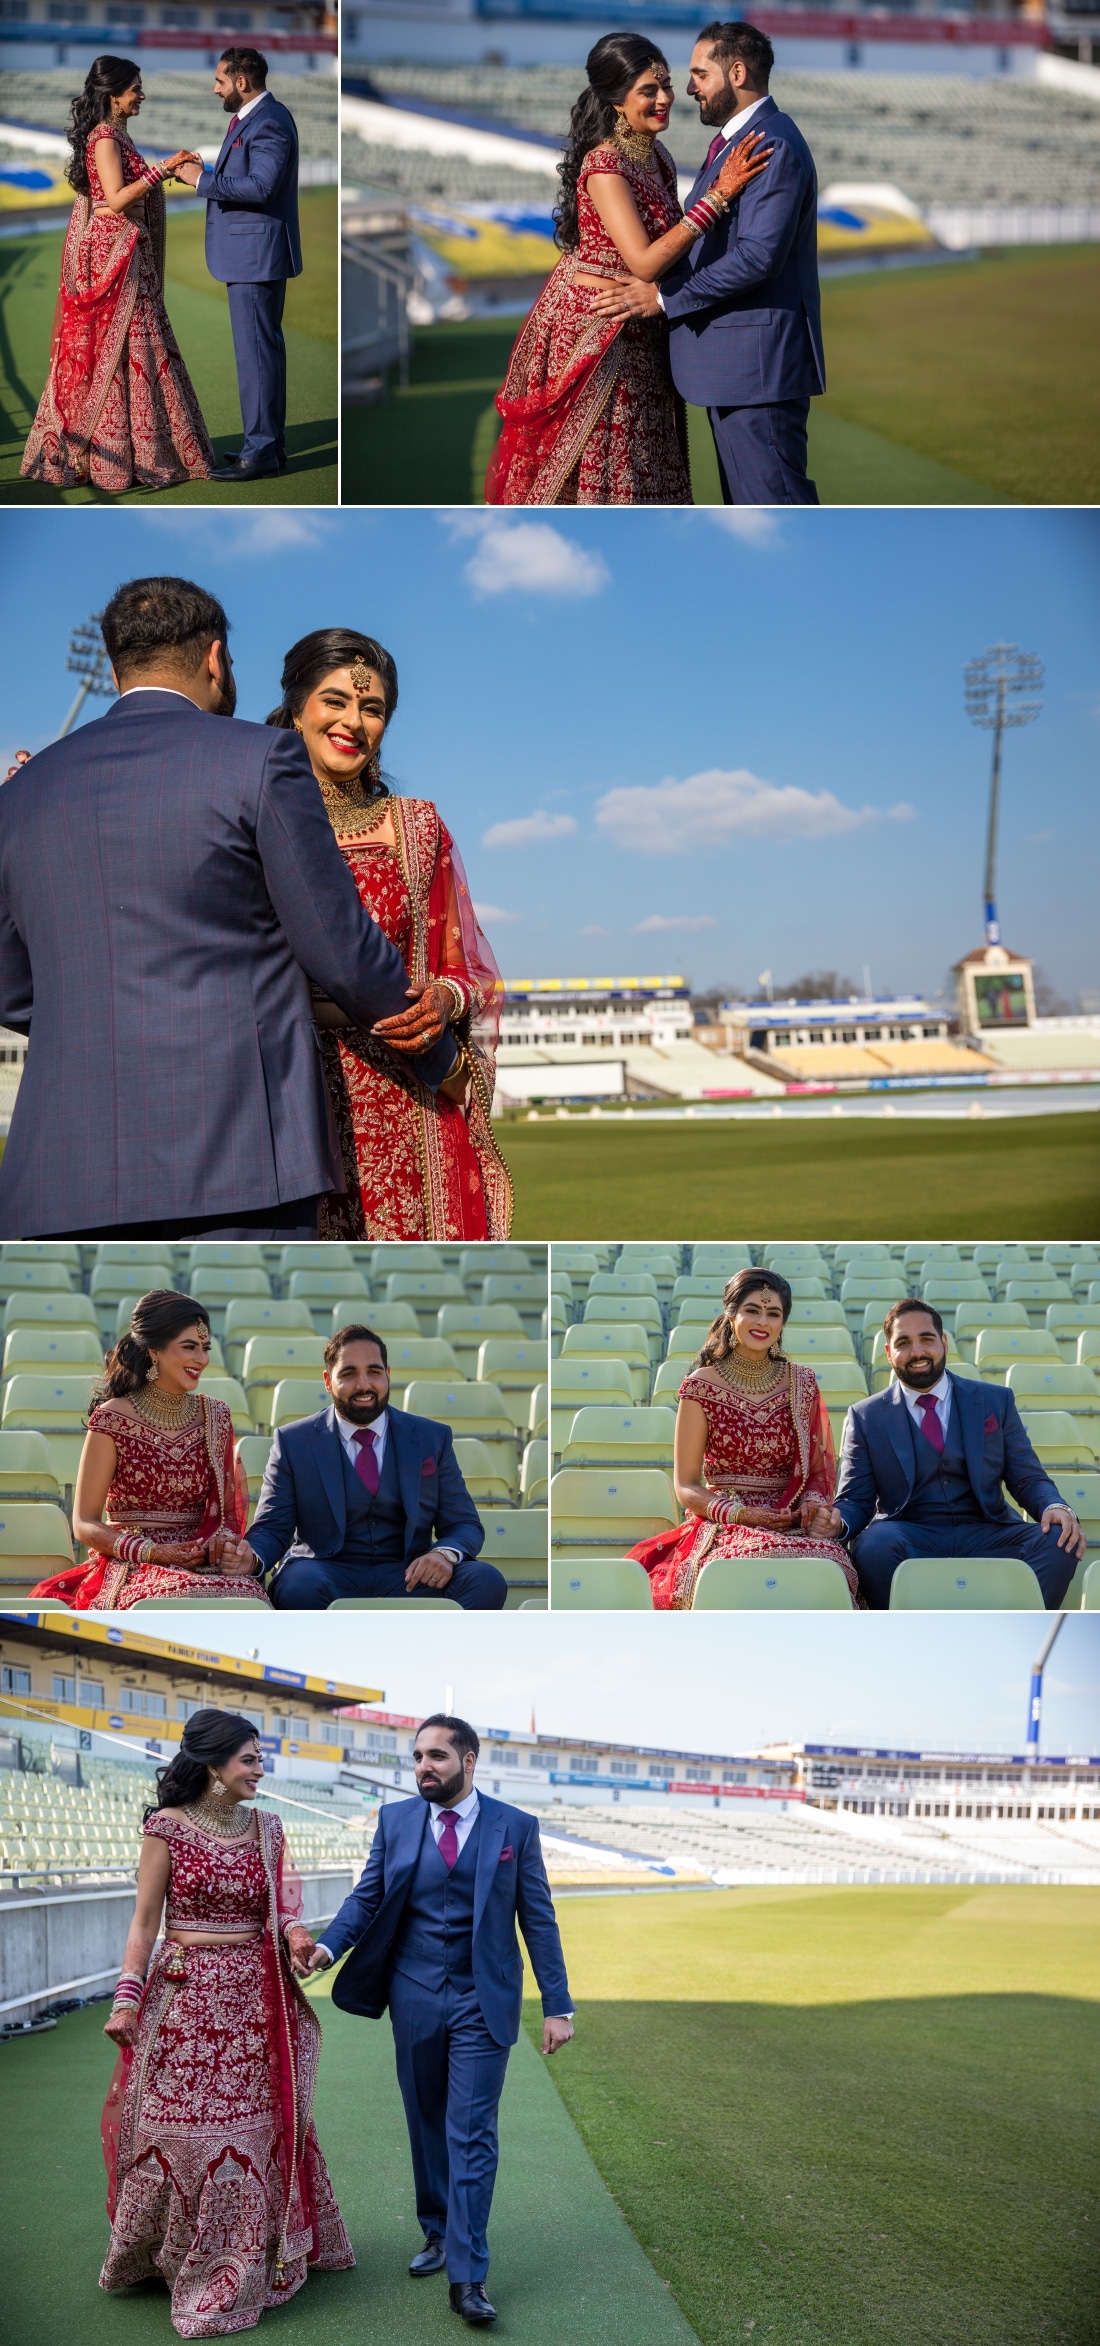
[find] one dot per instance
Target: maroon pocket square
(991, 1425)
(505, 1854)
(428, 1466)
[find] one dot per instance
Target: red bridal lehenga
(588, 409)
(174, 1485)
(215, 2178)
(417, 1164)
(768, 1450)
(119, 409)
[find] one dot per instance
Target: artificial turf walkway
(1018, 1177)
(566, 2270)
(936, 396)
(849, 2117)
(199, 312)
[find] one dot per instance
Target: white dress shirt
(250, 104)
(178, 696)
(348, 1433)
(942, 1393)
(464, 1813)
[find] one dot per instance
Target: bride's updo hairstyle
(613, 67)
(210, 1738)
(109, 77)
(156, 1318)
(720, 1339)
(309, 662)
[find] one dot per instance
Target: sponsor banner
(740, 1791)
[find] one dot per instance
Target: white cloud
(719, 807)
(658, 922)
(272, 530)
(529, 830)
(526, 558)
(755, 525)
(496, 916)
(594, 931)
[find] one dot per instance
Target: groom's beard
(442, 1788)
(226, 702)
(713, 112)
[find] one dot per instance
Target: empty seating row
(921, 1584)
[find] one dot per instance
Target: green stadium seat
(700, 1288)
(217, 1254)
(253, 1452)
(945, 1295)
(1039, 1385)
(538, 1413)
(39, 1309)
(814, 1344)
(782, 1584)
(798, 1263)
(35, 1542)
(217, 1289)
(534, 1474)
(669, 1378)
(591, 1507)
(475, 1411)
(393, 1255)
(229, 1390)
(268, 1360)
(608, 1437)
(428, 1358)
(526, 1290)
(695, 1311)
(249, 1316)
(843, 1379)
(517, 1541)
(35, 1278)
(476, 1263)
(481, 1472)
(1061, 1441)
(990, 1253)
(1090, 1594)
(435, 1604)
(685, 1339)
(965, 1584)
(643, 1254)
(334, 1299)
(1035, 1295)
(851, 1254)
(634, 1311)
(54, 1406)
(1088, 1349)
(294, 1398)
(860, 1287)
(806, 1287)
(930, 1260)
(426, 1291)
(1082, 1493)
(971, 1318)
(385, 1319)
(806, 1312)
(625, 1283)
(110, 1283)
(42, 1250)
(577, 1382)
(208, 1605)
(718, 1258)
(610, 1340)
(580, 1263)
(45, 1350)
(27, 1469)
(325, 1255)
(515, 1366)
(1066, 1255)
(465, 1326)
(996, 1348)
(1068, 1322)
(599, 1584)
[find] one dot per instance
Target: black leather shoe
(246, 472)
(234, 459)
(432, 2258)
(468, 2298)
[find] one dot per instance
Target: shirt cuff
(660, 300)
(321, 1949)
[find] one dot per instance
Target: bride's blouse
(214, 1885)
(653, 187)
(164, 1477)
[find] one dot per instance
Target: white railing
(961, 226)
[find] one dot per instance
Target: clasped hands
(224, 1553)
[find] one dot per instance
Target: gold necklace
(750, 1376)
(636, 145)
(221, 1817)
(353, 818)
(171, 1410)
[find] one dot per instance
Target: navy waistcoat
(435, 1941)
(375, 1530)
(941, 1490)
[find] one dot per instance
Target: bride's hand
(188, 1555)
(745, 163)
(766, 1518)
(22, 758)
(416, 1029)
(122, 2027)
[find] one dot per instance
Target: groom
(432, 1932)
(743, 305)
(252, 247)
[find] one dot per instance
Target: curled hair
(149, 618)
(719, 1340)
(741, 44)
(353, 1334)
(613, 67)
(246, 65)
(905, 1305)
(107, 78)
(209, 1739)
(156, 1318)
(464, 1737)
(316, 656)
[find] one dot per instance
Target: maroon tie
(448, 1839)
(234, 125)
(931, 1428)
(366, 1459)
(715, 148)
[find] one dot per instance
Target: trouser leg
(306, 1584)
(475, 2083)
(256, 314)
(420, 2038)
(762, 453)
(1053, 1566)
(876, 1554)
(477, 1587)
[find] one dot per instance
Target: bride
(588, 409)
(418, 1164)
(754, 1460)
(119, 409)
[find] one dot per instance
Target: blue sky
(701, 741)
(938, 1682)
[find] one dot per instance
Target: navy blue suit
(169, 884)
(252, 246)
(441, 1951)
(339, 1542)
(899, 1498)
(745, 316)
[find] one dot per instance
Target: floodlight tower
(1035, 1696)
(88, 660)
(992, 685)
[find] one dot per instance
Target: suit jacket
(252, 199)
(876, 1466)
(169, 883)
(744, 306)
(303, 1507)
(510, 1886)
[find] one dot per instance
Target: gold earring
(153, 1373)
(218, 1788)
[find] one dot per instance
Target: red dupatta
(547, 419)
(226, 1510)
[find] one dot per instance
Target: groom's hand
(1070, 1534)
(190, 173)
(632, 299)
(555, 2034)
(431, 1571)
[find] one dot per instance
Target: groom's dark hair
(464, 1737)
(743, 44)
(150, 620)
(249, 64)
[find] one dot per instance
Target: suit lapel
(408, 1462)
(901, 1435)
(490, 1844)
(966, 1400)
(768, 106)
(330, 1467)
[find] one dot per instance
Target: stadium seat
(257, 1315)
(326, 1255)
(42, 1250)
(1087, 1353)
(295, 1398)
(386, 1319)
(475, 1411)
(110, 1283)
(575, 1382)
(47, 1350)
(606, 1437)
(599, 1584)
(217, 1254)
(783, 1584)
(465, 1326)
(56, 1407)
(695, 1311)
(517, 1541)
(1065, 1254)
(635, 1311)
(1036, 1295)
(426, 1291)
(814, 1344)
(480, 1470)
(207, 1605)
(626, 1283)
(945, 1295)
(394, 1605)
(1039, 1385)
(538, 1413)
(268, 1360)
(611, 1340)
(704, 1289)
(685, 1339)
(1090, 1595)
(486, 1260)
(806, 1312)
(925, 1256)
(971, 1318)
(965, 1584)
(391, 1255)
(253, 1452)
(798, 1262)
(855, 1254)
(1061, 1441)
(807, 1288)
(1068, 1322)
(716, 1259)
(34, 1277)
(428, 1358)
(35, 1542)
(534, 1474)
(320, 1291)
(593, 1508)
(995, 1350)
(515, 1366)
(27, 1470)
(669, 1378)
(526, 1290)
(229, 1390)
(41, 1309)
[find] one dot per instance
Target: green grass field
(936, 396)
(1023, 1177)
(199, 311)
(853, 2117)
